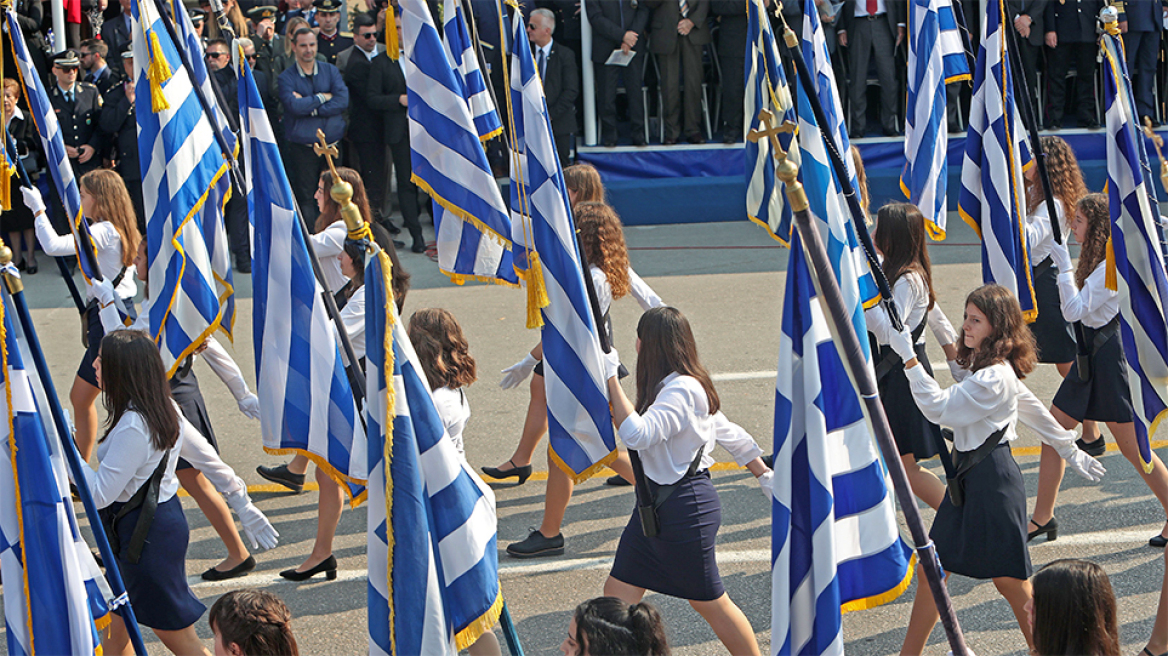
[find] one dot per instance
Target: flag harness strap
(968, 462)
(145, 498)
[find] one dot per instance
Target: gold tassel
(537, 297)
(158, 73)
(6, 184)
(392, 47)
(1112, 280)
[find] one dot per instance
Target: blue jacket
(304, 115)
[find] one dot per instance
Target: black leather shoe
(1050, 529)
(399, 244)
(328, 566)
(243, 265)
(237, 571)
(537, 546)
(522, 473)
(391, 228)
(617, 481)
(640, 142)
(419, 246)
(32, 269)
(281, 475)
(1159, 542)
(1095, 449)
(696, 139)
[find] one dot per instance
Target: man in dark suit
(872, 29)
(561, 82)
(1070, 34)
(732, 58)
(619, 24)
(387, 96)
(92, 55)
(121, 129)
(1141, 22)
(115, 32)
(677, 33)
(1027, 18)
(368, 138)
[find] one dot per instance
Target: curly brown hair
(584, 180)
(111, 203)
(604, 244)
(1066, 178)
(441, 348)
(1010, 341)
(1096, 210)
(332, 211)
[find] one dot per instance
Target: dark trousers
(733, 93)
(688, 56)
(563, 143)
(236, 223)
(872, 39)
(1142, 50)
(371, 157)
(1029, 54)
(1058, 62)
(304, 167)
(407, 192)
(634, 78)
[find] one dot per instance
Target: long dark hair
(1074, 610)
(900, 237)
(612, 627)
(1011, 341)
(668, 346)
(133, 378)
(257, 621)
(332, 211)
(441, 348)
(1096, 209)
(399, 277)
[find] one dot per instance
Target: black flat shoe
(237, 571)
(1050, 529)
(523, 473)
(31, 270)
(1159, 542)
(418, 246)
(20, 266)
(328, 566)
(537, 546)
(617, 481)
(281, 475)
(1094, 449)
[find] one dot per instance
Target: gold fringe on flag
(158, 73)
(392, 47)
(537, 297)
(1112, 280)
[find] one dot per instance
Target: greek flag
(306, 402)
(835, 544)
(766, 88)
(818, 60)
(580, 431)
(991, 173)
(460, 50)
(180, 159)
(1138, 257)
(433, 562)
(936, 57)
(55, 600)
(473, 229)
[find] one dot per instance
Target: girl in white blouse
(114, 228)
(1104, 394)
(674, 427)
(985, 536)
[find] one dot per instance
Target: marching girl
(114, 227)
(134, 489)
(674, 426)
(900, 241)
(981, 533)
(1103, 393)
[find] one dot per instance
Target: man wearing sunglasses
(369, 142)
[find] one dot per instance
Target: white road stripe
(760, 375)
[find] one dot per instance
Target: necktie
(541, 62)
(871, 7)
(685, 7)
(69, 96)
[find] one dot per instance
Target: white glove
(256, 527)
(517, 372)
(956, 370)
(611, 363)
(1084, 465)
(103, 291)
(33, 199)
(250, 406)
(1060, 256)
(766, 483)
(902, 345)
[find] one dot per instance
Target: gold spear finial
(785, 169)
(341, 192)
(13, 282)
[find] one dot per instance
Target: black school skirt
(1106, 396)
(679, 561)
(914, 434)
(986, 537)
(93, 332)
(1052, 333)
(184, 387)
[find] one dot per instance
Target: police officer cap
(260, 13)
(327, 6)
(197, 15)
(127, 51)
(66, 59)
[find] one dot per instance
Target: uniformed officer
(264, 37)
(78, 108)
(199, 20)
(330, 41)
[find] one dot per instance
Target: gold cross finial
(342, 191)
(323, 149)
(771, 131)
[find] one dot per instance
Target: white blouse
(353, 318)
(1094, 304)
(1039, 238)
(912, 301)
(454, 410)
(676, 425)
(107, 243)
(328, 244)
(646, 297)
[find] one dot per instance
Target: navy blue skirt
(1052, 333)
(184, 388)
(679, 561)
(157, 584)
(1106, 396)
(913, 433)
(93, 332)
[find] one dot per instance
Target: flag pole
(852, 352)
(790, 41)
(113, 575)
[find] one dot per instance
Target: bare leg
(184, 642)
(923, 482)
(329, 506)
(623, 466)
(1157, 481)
(115, 641)
(729, 624)
(630, 594)
(486, 645)
(555, 501)
(83, 396)
(1064, 368)
(298, 464)
(1050, 474)
(1017, 592)
(1090, 428)
(1158, 643)
(922, 620)
(534, 426)
(217, 512)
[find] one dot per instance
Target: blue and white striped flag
(835, 543)
(56, 599)
(814, 46)
(1137, 242)
(936, 57)
(433, 562)
(992, 188)
(473, 229)
(766, 88)
(306, 401)
(460, 50)
(580, 431)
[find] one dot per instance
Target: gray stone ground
(728, 279)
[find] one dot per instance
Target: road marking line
(761, 375)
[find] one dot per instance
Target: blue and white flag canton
(1138, 244)
(474, 230)
(306, 401)
(835, 542)
(936, 57)
(181, 159)
(766, 88)
(56, 598)
(580, 431)
(460, 49)
(992, 188)
(433, 560)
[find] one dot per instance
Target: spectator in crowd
(732, 59)
(365, 42)
(264, 37)
(29, 15)
(121, 129)
(620, 24)
(97, 72)
(369, 141)
(1027, 18)
(263, 82)
(1141, 23)
(677, 32)
(314, 98)
(296, 9)
(17, 222)
(1072, 611)
(1070, 33)
(235, 213)
(252, 622)
(77, 105)
(234, 17)
(561, 80)
(199, 22)
(872, 29)
(283, 54)
(330, 41)
(115, 32)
